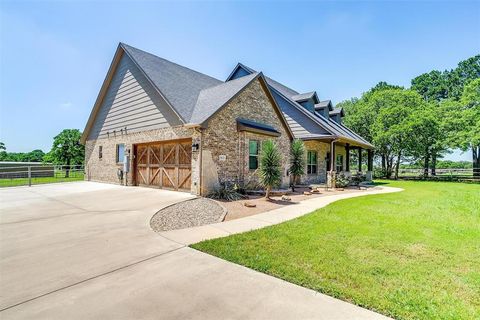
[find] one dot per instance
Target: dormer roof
(324, 104)
(337, 111)
(305, 96)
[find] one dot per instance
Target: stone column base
(331, 179)
(369, 175)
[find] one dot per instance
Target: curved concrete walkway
(222, 229)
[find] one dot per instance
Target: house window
(120, 152)
(100, 152)
(253, 154)
(339, 163)
(312, 162)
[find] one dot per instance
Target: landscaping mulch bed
(237, 209)
(190, 213)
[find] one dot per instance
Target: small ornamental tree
(270, 167)
(297, 161)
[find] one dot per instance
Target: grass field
(59, 177)
(410, 255)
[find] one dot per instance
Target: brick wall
(105, 169)
(222, 138)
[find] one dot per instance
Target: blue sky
(54, 55)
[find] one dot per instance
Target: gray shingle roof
(179, 85)
(335, 129)
(303, 96)
(337, 111)
(286, 91)
(323, 104)
(213, 98)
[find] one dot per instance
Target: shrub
(227, 192)
(270, 167)
(357, 179)
(341, 181)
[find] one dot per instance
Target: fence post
(29, 176)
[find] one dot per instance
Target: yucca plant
(270, 167)
(297, 161)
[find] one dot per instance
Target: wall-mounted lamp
(195, 146)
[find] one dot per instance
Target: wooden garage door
(164, 164)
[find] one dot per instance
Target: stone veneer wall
(222, 138)
(322, 149)
(105, 169)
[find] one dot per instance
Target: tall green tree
(432, 86)
(270, 167)
(360, 115)
(297, 161)
(466, 71)
(393, 127)
(66, 149)
(436, 85)
(467, 135)
(428, 141)
(34, 156)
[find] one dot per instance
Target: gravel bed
(186, 214)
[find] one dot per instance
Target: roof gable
(210, 100)
(178, 84)
(239, 71)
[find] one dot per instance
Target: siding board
(300, 124)
(131, 102)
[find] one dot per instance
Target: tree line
(66, 150)
(421, 124)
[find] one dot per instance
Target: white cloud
(66, 105)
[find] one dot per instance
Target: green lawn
(59, 177)
(410, 255)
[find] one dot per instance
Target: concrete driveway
(85, 250)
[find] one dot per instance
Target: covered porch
(327, 157)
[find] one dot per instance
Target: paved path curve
(85, 251)
(222, 229)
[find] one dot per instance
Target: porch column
(347, 158)
(331, 170)
(359, 159)
(332, 156)
(369, 165)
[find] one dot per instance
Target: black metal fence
(20, 174)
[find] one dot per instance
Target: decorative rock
(307, 193)
(249, 205)
(363, 188)
(186, 214)
(285, 198)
